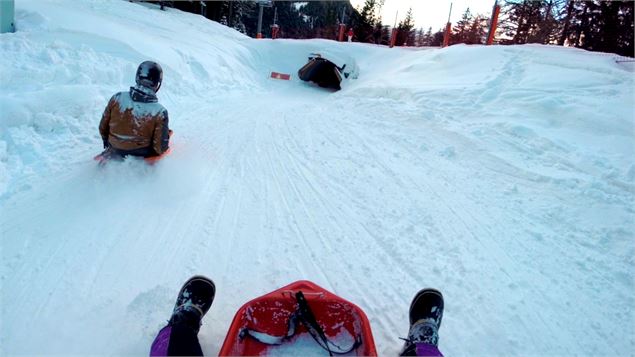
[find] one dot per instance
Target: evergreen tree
(406, 36)
(532, 21)
(519, 18)
(366, 19)
(605, 26)
(567, 21)
(469, 30)
(548, 29)
(237, 12)
(437, 38)
(477, 33)
(460, 32)
(378, 34)
(420, 37)
(385, 35)
(290, 20)
(625, 31)
(428, 38)
(323, 17)
(590, 24)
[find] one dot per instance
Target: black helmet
(150, 75)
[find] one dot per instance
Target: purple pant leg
(424, 349)
(161, 342)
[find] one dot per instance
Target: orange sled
(104, 157)
(302, 319)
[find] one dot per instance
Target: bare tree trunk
(585, 22)
(565, 30)
(519, 28)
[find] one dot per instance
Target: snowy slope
(503, 176)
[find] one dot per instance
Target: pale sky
(430, 12)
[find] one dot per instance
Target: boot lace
(423, 331)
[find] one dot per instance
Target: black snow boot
(193, 302)
(426, 312)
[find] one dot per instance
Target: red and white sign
(283, 76)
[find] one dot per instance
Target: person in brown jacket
(134, 123)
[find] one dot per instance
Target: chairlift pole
(340, 36)
(262, 3)
(203, 9)
(229, 20)
(275, 28)
(260, 11)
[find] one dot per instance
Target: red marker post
(493, 24)
(274, 31)
(395, 32)
(393, 37)
(340, 36)
(448, 30)
(446, 34)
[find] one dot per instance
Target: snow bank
(65, 62)
(502, 175)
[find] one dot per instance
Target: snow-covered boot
(193, 302)
(426, 312)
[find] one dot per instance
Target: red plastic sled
(102, 158)
(154, 159)
(342, 323)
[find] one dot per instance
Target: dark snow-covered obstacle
(328, 70)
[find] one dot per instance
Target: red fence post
(274, 31)
(448, 29)
(446, 34)
(493, 24)
(393, 37)
(340, 36)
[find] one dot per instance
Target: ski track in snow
(478, 183)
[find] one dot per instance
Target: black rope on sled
(304, 315)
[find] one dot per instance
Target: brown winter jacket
(135, 122)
